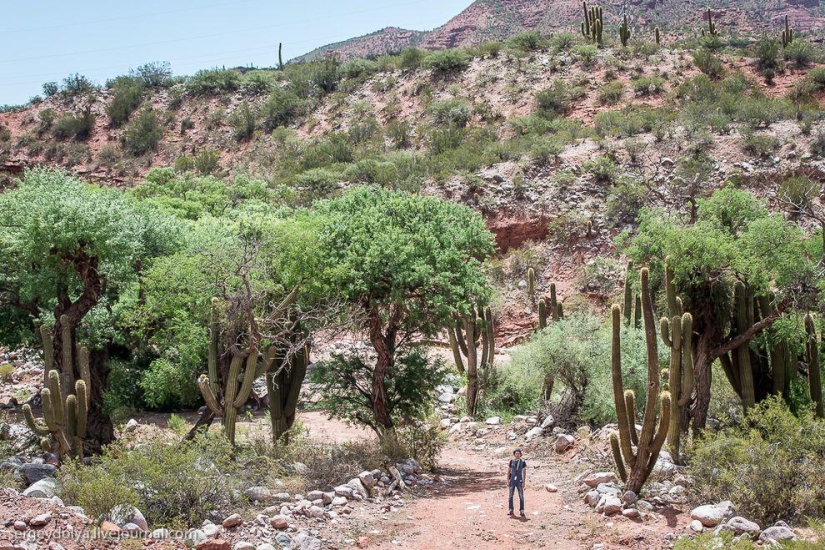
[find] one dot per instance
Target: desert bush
(127, 97)
(324, 74)
(629, 121)
(557, 99)
(563, 41)
(411, 59)
(243, 121)
(586, 53)
(206, 162)
(767, 55)
(46, 118)
(758, 110)
(371, 171)
(318, 181)
(800, 52)
(527, 41)
(451, 112)
(603, 168)
(177, 424)
(422, 440)
(447, 61)
(708, 63)
(648, 85)
(51, 89)
(760, 145)
(611, 93)
(358, 68)
(363, 131)
(771, 467)
(279, 109)
(625, 201)
(400, 133)
(69, 126)
(258, 82)
(6, 371)
(109, 155)
(443, 140)
(545, 150)
(213, 82)
(335, 149)
(143, 134)
(77, 84)
(174, 484)
(157, 74)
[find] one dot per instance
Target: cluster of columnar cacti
(468, 333)
(593, 23)
(636, 453)
(712, 31)
(787, 34)
(284, 377)
(65, 414)
(552, 307)
(624, 32)
(812, 358)
(677, 333)
(236, 388)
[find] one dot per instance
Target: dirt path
(470, 511)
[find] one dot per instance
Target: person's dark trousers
(520, 488)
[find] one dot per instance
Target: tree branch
(749, 334)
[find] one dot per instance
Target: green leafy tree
(737, 269)
(69, 254)
(408, 265)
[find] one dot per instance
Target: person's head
(517, 453)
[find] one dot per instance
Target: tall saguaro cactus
(636, 453)
(712, 31)
(787, 34)
(812, 358)
(470, 332)
(531, 285)
(624, 32)
(283, 382)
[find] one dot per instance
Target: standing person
(516, 477)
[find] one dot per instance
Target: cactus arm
(814, 375)
(664, 331)
(743, 322)
(212, 359)
(531, 284)
(554, 304)
(280, 56)
(287, 302)
(48, 352)
(82, 394)
(628, 298)
(71, 417)
(542, 314)
(230, 411)
(68, 356)
(55, 393)
(85, 371)
(266, 362)
(661, 434)
(617, 456)
(299, 371)
(687, 362)
(35, 426)
(211, 399)
(630, 404)
(649, 422)
(618, 387)
(491, 335)
(248, 379)
(459, 362)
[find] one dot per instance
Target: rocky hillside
(487, 20)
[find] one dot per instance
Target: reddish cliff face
(487, 20)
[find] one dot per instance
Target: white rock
(232, 521)
(630, 513)
(592, 498)
(712, 515)
(611, 505)
(696, 526)
(45, 488)
(738, 525)
(534, 433)
(594, 480)
(339, 501)
(493, 421)
(367, 480)
(344, 491)
(548, 422)
(445, 424)
(777, 533)
(279, 522)
(550, 488)
(261, 494)
(122, 514)
(243, 546)
(131, 425)
(358, 487)
(316, 512)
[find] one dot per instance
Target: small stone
(122, 514)
(210, 530)
(32, 473)
(339, 501)
(279, 522)
(56, 546)
(215, 544)
(41, 520)
(131, 425)
(20, 525)
(315, 495)
(367, 480)
(232, 521)
(594, 480)
(592, 498)
(550, 488)
(283, 540)
(629, 498)
(344, 491)
(243, 546)
(282, 497)
(712, 515)
(631, 513)
(534, 433)
(493, 421)
(265, 546)
(696, 526)
(548, 422)
(738, 525)
(108, 527)
(612, 505)
(777, 533)
(195, 535)
(316, 512)
(131, 528)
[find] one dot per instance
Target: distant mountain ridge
(486, 20)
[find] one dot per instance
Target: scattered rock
(215, 544)
(282, 497)
(712, 515)
(261, 494)
(631, 513)
(367, 480)
(564, 442)
(131, 425)
(283, 540)
(534, 433)
(592, 498)
(738, 525)
(279, 522)
(339, 501)
(779, 532)
(303, 541)
(548, 422)
(696, 526)
(232, 521)
(610, 505)
(122, 514)
(20, 525)
(550, 488)
(493, 421)
(344, 491)
(265, 546)
(243, 546)
(316, 512)
(32, 473)
(195, 535)
(45, 488)
(358, 487)
(594, 480)
(629, 498)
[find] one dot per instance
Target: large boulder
(712, 515)
(777, 533)
(564, 442)
(738, 525)
(32, 473)
(45, 488)
(122, 514)
(594, 480)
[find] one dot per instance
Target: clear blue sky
(46, 40)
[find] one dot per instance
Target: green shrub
(210, 82)
(244, 121)
(767, 54)
(177, 424)
(51, 89)
(279, 109)
(6, 371)
(174, 484)
(324, 74)
(206, 162)
(46, 118)
(318, 181)
(126, 100)
(708, 63)
(400, 133)
(611, 93)
(447, 61)
(358, 68)
(143, 134)
(422, 440)
(451, 112)
(70, 126)
(335, 149)
(648, 85)
(258, 82)
(109, 155)
(363, 131)
(77, 84)
(760, 145)
(545, 150)
(557, 99)
(586, 53)
(800, 52)
(371, 171)
(603, 168)
(411, 59)
(447, 139)
(563, 41)
(157, 74)
(625, 202)
(527, 41)
(772, 467)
